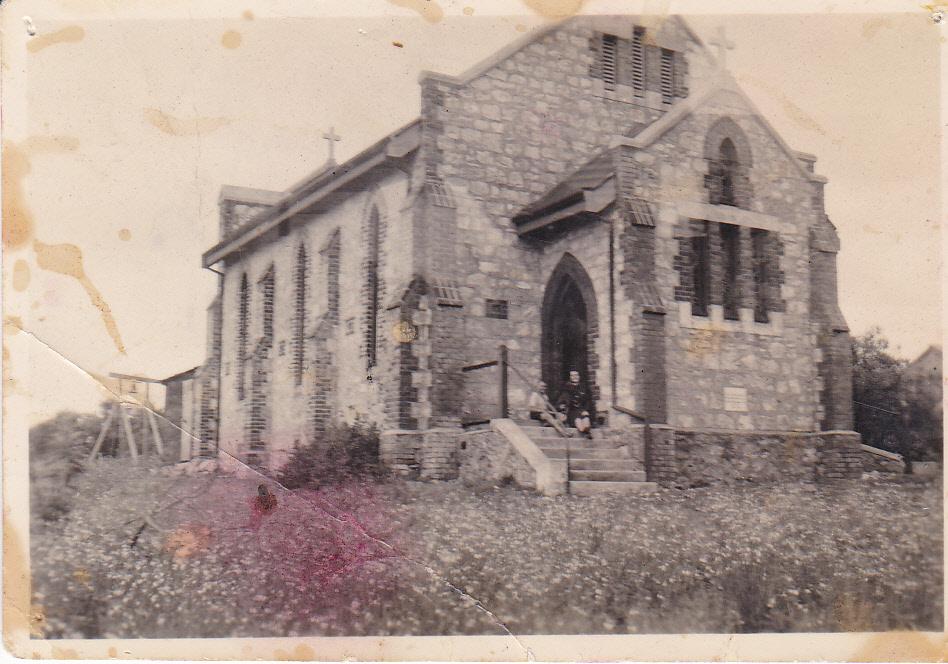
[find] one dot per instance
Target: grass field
(147, 554)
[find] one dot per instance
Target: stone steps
(607, 475)
(595, 466)
(597, 487)
(583, 453)
(604, 464)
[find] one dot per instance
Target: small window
(761, 258)
(731, 251)
(496, 309)
(668, 76)
(268, 289)
(701, 274)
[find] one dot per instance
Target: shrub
(341, 452)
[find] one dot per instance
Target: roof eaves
(685, 107)
(494, 59)
(394, 146)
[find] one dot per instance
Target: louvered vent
(668, 76)
(610, 49)
(638, 61)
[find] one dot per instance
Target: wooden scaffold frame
(119, 411)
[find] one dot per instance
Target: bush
(892, 409)
(341, 452)
(58, 448)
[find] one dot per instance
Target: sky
(119, 131)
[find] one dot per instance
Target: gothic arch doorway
(570, 326)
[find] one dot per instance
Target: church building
(599, 197)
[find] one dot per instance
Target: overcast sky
(151, 117)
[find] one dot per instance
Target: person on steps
(573, 396)
(542, 410)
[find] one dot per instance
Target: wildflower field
(146, 553)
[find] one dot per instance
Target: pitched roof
(317, 188)
(590, 175)
(685, 107)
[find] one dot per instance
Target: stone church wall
(504, 139)
(337, 337)
(773, 363)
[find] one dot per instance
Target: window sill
(627, 95)
(716, 321)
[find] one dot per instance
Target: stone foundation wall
(439, 454)
(702, 458)
(487, 457)
(400, 451)
(882, 463)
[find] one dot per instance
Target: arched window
(371, 288)
(728, 164)
(268, 290)
(243, 328)
(728, 154)
(299, 314)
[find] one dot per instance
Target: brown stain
(555, 8)
(125, 235)
(21, 275)
(82, 576)
(37, 621)
(12, 325)
(17, 218)
(18, 221)
(902, 647)
(17, 612)
(231, 39)
(173, 126)
(302, 652)
(704, 342)
(248, 15)
(429, 9)
(873, 25)
(404, 332)
(398, 44)
(68, 35)
(113, 652)
(520, 27)
(65, 653)
(468, 11)
(793, 111)
(66, 259)
(187, 541)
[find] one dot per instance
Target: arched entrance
(569, 328)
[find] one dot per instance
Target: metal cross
(723, 45)
(332, 138)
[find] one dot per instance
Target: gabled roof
(184, 375)
(318, 188)
(685, 107)
(513, 47)
(589, 176)
(249, 195)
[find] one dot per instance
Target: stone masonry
(607, 155)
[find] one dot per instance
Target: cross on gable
(332, 138)
(723, 45)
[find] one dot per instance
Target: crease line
(354, 524)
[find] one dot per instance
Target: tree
(58, 448)
(891, 410)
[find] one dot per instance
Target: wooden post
(502, 367)
(105, 430)
(154, 432)
(129, 436)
